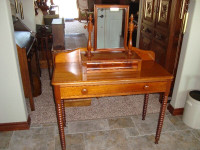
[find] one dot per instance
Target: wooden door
(155, 27)
(148, 23)
(109, 28)
(113, 28)
(161, 30)
(100, 28)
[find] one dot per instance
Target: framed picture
(163, 11)
(148, 9)
(21, 10)
(16, 6)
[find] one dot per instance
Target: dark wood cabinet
(161, 29)
(26, 44)
(155, 27)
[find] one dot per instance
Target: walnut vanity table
(86, 73)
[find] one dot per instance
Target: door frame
(139, 22)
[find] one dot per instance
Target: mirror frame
(126, 8)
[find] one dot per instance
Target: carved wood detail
(131, 29)
(163, 11)
(148, 10)
(146, 98)
(161, 118)
(89, 27)
(61, 125)
(63, 112)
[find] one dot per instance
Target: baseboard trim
(15, 125)
(175, 112)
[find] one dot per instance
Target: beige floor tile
(142, 142)
(149, 125)
(5, 138)
(73, 142)
(179, 140)
(178, 123)
(86, 126)
(131, 132)
(115, 123)
(105, 140)
(46, 130)
(196, 132)
(41, 138)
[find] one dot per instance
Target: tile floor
(75, 40)
(125, 133)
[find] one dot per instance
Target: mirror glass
(111, 27)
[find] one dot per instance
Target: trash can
(191, 114)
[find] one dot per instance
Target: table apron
(70, 92)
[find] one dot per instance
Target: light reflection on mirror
(110, 27)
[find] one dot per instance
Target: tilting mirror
(111, 26)
(111, 53)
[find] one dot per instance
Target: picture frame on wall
(21, 10)
(16, 6)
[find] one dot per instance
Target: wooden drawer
(111, 90)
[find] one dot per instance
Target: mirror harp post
(89, 27)
(131, 29)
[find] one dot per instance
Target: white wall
(12, 101)
(188, 74)
(29, 13)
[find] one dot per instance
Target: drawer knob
(146, 87)
(84, 91)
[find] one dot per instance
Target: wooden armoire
(162, 30)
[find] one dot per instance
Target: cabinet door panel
(161, 37)
(163, 14)
(145, 42)
(148, 12)
(147, 30)
(160, 52)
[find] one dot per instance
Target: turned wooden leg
(63, 113)
(61, 126)
(37, 58)
(47, 56)
(59, 111)
(161, 118)
(146, 98)
(161, 97)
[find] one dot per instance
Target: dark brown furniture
(162, 30)
(44, 39)
(58, 31)
(29, 64)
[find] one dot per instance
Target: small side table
(43, 37)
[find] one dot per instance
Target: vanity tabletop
(68, 71)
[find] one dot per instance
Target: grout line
(136, 126)
(195, 135)
(170, 122)
(108, 124)
(11, 139)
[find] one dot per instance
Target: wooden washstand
(89, 73)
